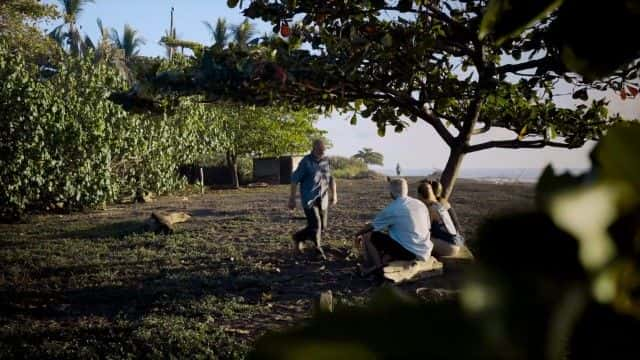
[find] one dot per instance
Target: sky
(418, 147)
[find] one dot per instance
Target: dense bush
(64, 145)
(349, 168)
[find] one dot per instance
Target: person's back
(407, 221)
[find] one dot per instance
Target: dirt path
(91, 282)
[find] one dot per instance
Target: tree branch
(516, 144)
(524, 66)
(416, 108)
(482, 130)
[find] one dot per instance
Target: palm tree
(370, 157)
(169, 35)
(130, 42)
(243, 33)
(71, 36)
(220, 33)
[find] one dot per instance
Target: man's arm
(292, 196)
(365, 229)
(334, 191)
(296, 177)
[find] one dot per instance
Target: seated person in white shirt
(407, 222)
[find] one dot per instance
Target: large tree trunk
(450, 172)
(459, 146)
(232, 163)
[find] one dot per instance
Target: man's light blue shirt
(407, 221)
(314, 176)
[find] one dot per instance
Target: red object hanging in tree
(284, 29)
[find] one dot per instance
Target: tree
(130, 42)
(369, 156)
(243, 34)
(220, 33)
(263, 131)
(19, 30)
(398, 62)
(68, 34)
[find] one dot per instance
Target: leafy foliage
(348, 168)
(566, 29)
(263, 131)
(19, 32)
(63, 144)
(130, 42)
(369, 156)
(398, 62)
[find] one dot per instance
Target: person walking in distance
(316, 184)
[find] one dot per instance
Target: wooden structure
(275, 170)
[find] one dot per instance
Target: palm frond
(130, 42)
(58, 35)
(243, 33)
(73, 8)
(115, 38)
(219, 33)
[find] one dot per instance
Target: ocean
(494, 175)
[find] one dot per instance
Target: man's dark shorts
(387, 246)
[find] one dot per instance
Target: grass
(92, 284)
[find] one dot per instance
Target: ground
(93, 284)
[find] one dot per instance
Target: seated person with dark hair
(407, 221)
(446, 238)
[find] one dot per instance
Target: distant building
(275, 170)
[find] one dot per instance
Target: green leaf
(508, 18)
(232, 3)
(387, 40)
(581, 94)
(405, 5)
(354, 119)
(618, 154)
(587, 213)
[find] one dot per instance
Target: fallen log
(162, 223)
(402, 271)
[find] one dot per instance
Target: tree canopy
(369, 156)
(263, 131)
(432, 62)
(18, 28)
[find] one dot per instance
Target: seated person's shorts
(387, 246)
(438, 230)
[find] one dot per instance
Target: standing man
(314, 175)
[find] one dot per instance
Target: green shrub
(347, 168)
(64, 145)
